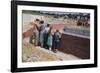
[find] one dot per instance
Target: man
(41, 35)
(35, 32)
(46, 32)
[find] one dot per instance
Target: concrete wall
(77, 46)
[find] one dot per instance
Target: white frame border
(53, 63)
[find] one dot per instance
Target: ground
(37, 54)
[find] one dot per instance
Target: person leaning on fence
(56, 40)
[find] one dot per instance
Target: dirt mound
(34, 54)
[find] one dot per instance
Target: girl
(49, 40)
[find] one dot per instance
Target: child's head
(57, 30)
(48, 25)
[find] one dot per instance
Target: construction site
(75, 39)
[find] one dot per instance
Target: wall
(5, 37)
(74, 45)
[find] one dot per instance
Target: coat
(49, 40)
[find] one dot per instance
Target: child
(49, 40)
(56, 39)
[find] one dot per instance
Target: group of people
(44, 36)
